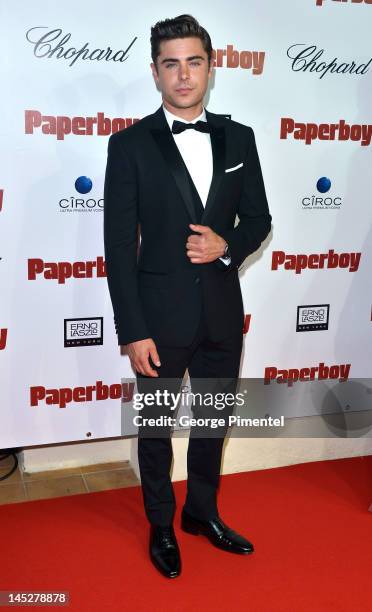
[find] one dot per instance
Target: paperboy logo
(91, 393)
(320, 372)
(313, 317)
(232, 58)
(247, 323)
(62, 270)
(61, 125)
(3, 337)
(315, 261)
(83, 332)
(308, 132)
(321, 2)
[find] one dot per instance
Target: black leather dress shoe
(218, 533)
(164, 551)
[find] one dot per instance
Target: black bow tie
(180, 126)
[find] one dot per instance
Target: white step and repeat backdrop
(298, 72)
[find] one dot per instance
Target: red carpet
(309, 524)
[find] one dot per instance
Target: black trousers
(204, 359)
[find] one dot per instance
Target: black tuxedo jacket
(156, 291)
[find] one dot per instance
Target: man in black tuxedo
(181, 175)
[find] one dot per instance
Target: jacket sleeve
(121, 242)
(253, 210)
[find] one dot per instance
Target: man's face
(182, 72)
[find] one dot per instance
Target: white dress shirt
(196, 150)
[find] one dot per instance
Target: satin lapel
(169, 150)
(218, 142)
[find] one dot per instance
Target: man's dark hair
(183, 26)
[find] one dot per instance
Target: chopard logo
(53, 43)
(307, 59)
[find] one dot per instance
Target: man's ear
(211, 69)
(154, 72)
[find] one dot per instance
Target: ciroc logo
(83, 185)
(316, 202)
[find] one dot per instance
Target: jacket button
(197, 280)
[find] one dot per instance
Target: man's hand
(139, 352)
(206, 247)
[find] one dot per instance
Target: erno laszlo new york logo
(54, 44)
(307, 60)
